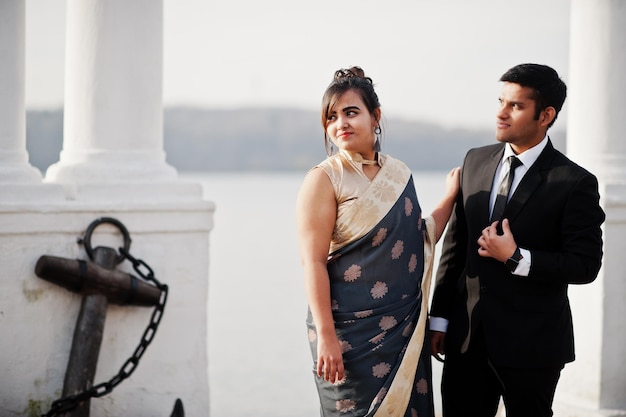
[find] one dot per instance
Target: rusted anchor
(99, 284)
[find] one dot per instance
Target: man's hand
(437, 344)
(492, 245)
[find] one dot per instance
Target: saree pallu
(379, 308)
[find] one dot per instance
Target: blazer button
(483, 289)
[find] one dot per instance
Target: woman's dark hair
(344, 80)
(549, 89)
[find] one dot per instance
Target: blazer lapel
(485, 173)
(533, 178)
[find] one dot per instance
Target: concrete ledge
(568, 410)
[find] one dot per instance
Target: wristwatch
(513, 261)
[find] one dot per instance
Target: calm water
(259, 359)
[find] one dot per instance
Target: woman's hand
(441, 213)
(453, 183)
(329, 358)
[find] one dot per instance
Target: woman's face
(351, 126)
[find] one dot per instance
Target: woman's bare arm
(441, 214)
(316, 213)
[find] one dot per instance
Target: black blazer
(554, 213)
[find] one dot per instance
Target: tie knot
(514, 162)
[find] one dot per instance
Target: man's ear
(547, 115)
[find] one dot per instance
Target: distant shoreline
(268, 140)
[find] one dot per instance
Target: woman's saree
(380, 281)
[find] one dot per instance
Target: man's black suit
(523, 322)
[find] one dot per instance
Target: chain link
(70, 402)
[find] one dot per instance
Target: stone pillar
(595, 384)
(112, 165)
(14, 166)
(113, 118)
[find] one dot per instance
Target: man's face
(515, 119)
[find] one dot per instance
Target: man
(500, 311)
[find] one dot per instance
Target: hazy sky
(436, 61)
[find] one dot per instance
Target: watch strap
(513, 261)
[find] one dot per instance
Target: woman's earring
(377, 132)
(328, 144)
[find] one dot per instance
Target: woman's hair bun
(356, 72)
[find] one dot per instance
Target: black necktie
(504, 189)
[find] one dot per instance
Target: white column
(14, 166)
(595, 384)
(113, 116)
(597, 86)
(112, 165)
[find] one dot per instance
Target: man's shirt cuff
(438, 324)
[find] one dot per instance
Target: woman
(365, 249)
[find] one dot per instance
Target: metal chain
(72, 401)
